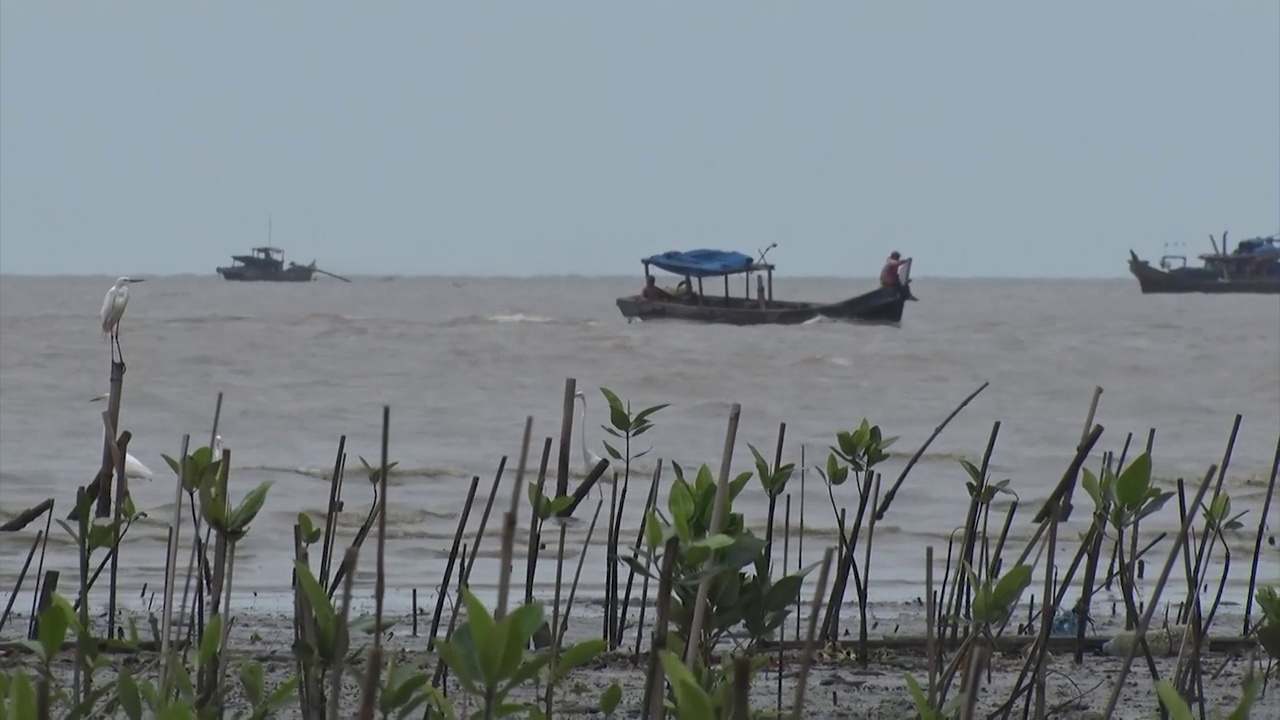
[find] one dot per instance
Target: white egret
(589, 459)
(113, 306)
(133, 467)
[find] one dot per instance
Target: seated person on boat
(651, 290)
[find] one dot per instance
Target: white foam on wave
(519, 318)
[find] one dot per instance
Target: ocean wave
(468, 320)
(832, 360)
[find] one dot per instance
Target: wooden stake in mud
(566, 438)
(893, 491)
(100, 486)
(717, 519)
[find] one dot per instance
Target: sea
(462, 362)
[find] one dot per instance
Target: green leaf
(612, 451)
(1177, 707)
(719, 541)
(249, 507)
(1010, 587)
(212, 638)
(617, 414)
(251, 679)
(917, 696)
(318, 599)
(577, 655)
(643, 416)
(482, 625)
(653, 530)
(681, 505)
(127, 689)
(52, 630)
(737, 484)
(463, 669)
(784, 592)
(283, 694)
(1133, 482)
(610, 698)
(691, 699)
(22, 696)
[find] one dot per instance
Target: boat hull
(245, 273)
(1154, 281)
(883, 306)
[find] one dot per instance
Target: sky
(983, 139)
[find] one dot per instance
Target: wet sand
(838, 687)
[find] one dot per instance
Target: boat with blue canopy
(691, 301)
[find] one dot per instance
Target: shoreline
(838, 686)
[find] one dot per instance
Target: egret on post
(113, 306)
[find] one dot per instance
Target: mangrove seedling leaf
(576, 656)
(516, 630)
(1010, 587)
(318, 599)
(249, 507)
(209, 643)
(127, 690)
(926, 711)
(253, 682)
(52, 629)
(1133, 482)
(481, 623)
(737, 484)
(1170, 698)
(653, 530)
(462, 668)
(691, 700)
(642, 417)
(611, 451)
(617, 414)
(22, 697)
(610, 698)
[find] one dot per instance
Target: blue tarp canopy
(701, 263)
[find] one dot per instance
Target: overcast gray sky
(991, 138)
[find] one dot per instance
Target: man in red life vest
(889, 273)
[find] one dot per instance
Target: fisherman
(651, 290)
(889, 273)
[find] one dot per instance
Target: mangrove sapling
(1267, 630)
(626, 427)
(1177, 708)
(684, 542)
(1257, 543)
(1217, 521)
(1131, 497)
(375, 475)
(196, 469)
(857, 452)
(994, 601)
(774, 482)
(488, 657)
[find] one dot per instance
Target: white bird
(133, 467)
(113, 306)
(589, 459)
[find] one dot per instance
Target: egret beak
(137, 280)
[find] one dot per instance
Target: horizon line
(549, 276)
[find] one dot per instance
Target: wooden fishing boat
(1253, 267)
(882, 306)
(263, 265)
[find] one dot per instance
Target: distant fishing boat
(266, 264)
(880, 306)
(1253, 267)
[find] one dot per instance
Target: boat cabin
(704, 264)
(262, 257)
